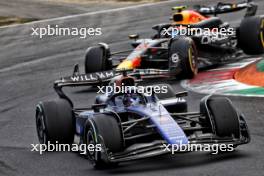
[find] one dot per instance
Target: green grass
(4, 21)
(250, 91)
(260, 65)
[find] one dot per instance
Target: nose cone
(129, 64)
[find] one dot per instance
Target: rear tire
(96, 59)
(55, 122)
(104, 130)
(251, 35)
(224, 117)
(183, 52)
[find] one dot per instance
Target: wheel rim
(90, 140)
(192, 60)
(262, 32)
(41, 128)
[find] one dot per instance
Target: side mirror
(133, 36)
(181, 94)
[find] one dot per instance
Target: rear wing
(91, 79)
(77, 80)
(99, 78)
(104, 77)
(221, 8)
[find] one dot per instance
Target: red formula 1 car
(168, 54)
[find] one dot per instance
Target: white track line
(93, 13)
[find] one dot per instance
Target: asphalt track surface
(29, 66)
(44, 9)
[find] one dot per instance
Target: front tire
(225, 117)
(97, 59)
(103, 130)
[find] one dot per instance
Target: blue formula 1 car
(134, 125)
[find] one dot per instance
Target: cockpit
(128, 99)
